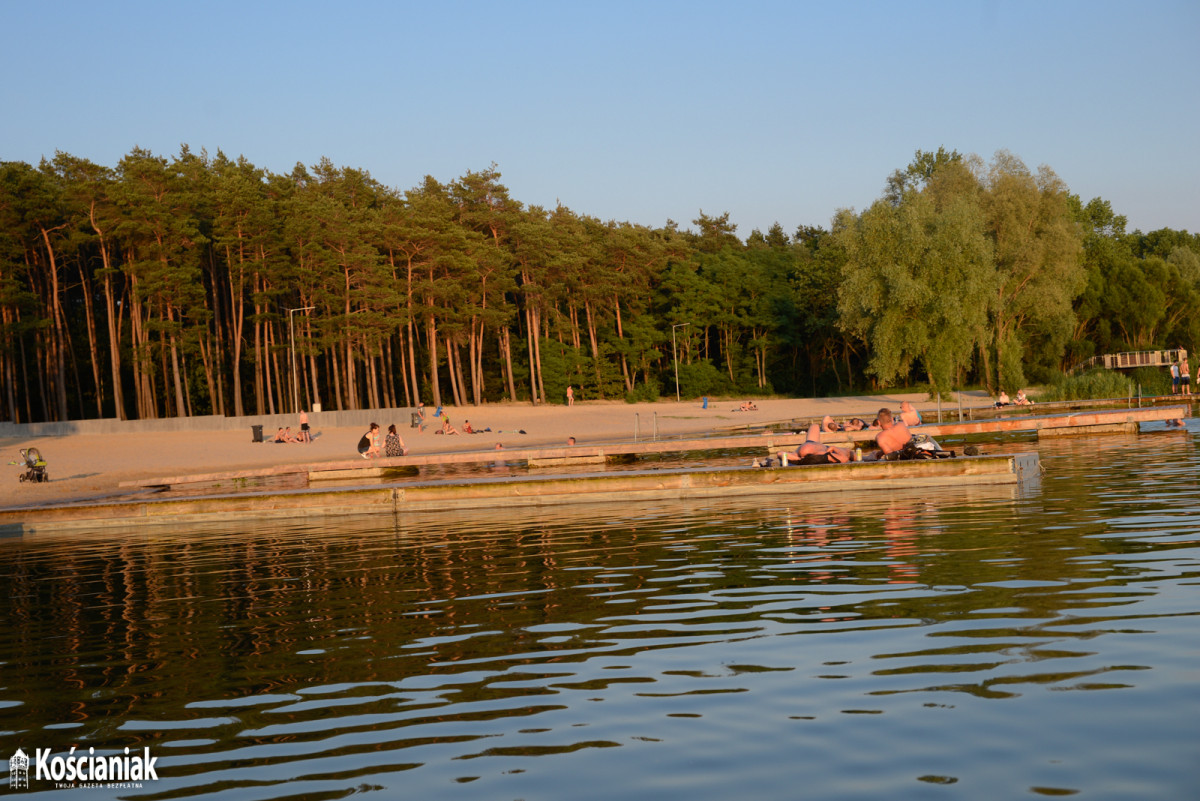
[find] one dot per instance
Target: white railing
(1132, 359)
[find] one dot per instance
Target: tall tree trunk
(431, 343)
(591, 328)
(237, 306)
(114, 336)
(462, 384)
(371, 379)
(411, 345)
(93, 345)
(180, 406)
(451, 357)
(531, 335)
(60, 362)
(403, 371)
(506, 352)
(474, 348)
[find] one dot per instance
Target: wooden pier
(296, 476)
(498, 495)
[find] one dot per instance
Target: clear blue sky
(642, 111)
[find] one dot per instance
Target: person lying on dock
(908, 415)
(855, 424)
(813, 451)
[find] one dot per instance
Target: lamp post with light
(675, 357)
(292, 343)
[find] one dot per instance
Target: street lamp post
(675, 357)
(292, 343)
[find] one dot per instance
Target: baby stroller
(35, 465)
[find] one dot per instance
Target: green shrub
(1153, 380)
(703, 378)
(1090, 385)
(643, 393)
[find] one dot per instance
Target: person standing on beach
(304, 436)
(570, 395)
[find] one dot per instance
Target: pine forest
(198, 285)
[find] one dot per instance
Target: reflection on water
(973, 644)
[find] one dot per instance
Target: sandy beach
(84, 466)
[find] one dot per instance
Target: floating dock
(299, 476)
(500, 494)
(1080, 423)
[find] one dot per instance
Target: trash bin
(705, 402)
(415, 421)
(256, 434)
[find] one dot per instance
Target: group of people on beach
(369, 446)
(1004, 400)
(303, 436)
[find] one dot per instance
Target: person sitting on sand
(1022, 400)
(1003, 400)
(368, 445)
(393, 445)
(814, 452)
(908, 415)
(446, 427)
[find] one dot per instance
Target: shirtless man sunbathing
(894, 434)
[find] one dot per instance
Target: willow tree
(917, 283)
(1037, 253)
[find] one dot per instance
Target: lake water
(997, 643)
